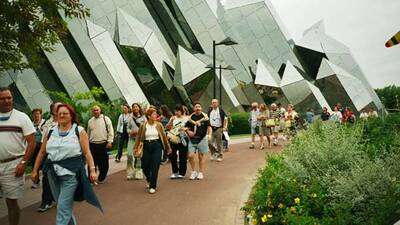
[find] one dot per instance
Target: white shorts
(11, 187)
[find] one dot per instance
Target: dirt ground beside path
(216, 200)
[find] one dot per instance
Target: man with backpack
(218, 125)
(101, 136)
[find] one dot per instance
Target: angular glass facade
(48, 77)
(80, 62)
(159, 52)
(338, 85)
(317, 44)
(149, 80)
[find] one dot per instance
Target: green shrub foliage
(239, 123)
(390, 97)
(332, 174)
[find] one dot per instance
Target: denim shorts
(201, 147)
(254, 130)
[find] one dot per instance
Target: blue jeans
(63, 189)
(123, 139)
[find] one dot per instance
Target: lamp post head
(229, 67)
(227, 41)
(210, 66)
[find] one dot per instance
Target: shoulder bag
(270, 123)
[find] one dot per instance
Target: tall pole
(214, 74)
(220, 85)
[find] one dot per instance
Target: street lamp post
(227, 41)
(213, 70)
(220, 84)
(229, 67)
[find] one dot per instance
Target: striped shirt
(14, 126)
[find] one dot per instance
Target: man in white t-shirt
(218, 125)
(17, 143)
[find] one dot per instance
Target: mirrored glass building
(160, 52)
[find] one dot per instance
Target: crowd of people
(269, 122)
(73, 159)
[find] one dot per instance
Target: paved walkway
(215, 200)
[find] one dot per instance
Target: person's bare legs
(202, 162)
(253, 140)
(261, 141)
(192, 161)
(269, 139)
(276, 137)
(13, 211)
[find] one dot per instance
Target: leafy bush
(239, 123)
(83, 103)
(332, 174)
(379, 135)
(390, 97)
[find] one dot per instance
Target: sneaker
(152, 191)
(181, 176)
(35, 186)
(193, 175)
(174, 176)
(261, 147)
(252, 146)
(213, 158)
(129, 177)
(44, 207)
(200, 176)
(101, 182)
(219, 159)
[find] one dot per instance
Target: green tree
(390, 97)
(31, 26)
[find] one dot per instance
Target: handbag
(184, 138)
(270, 123)
(173, 138)
(139, 150)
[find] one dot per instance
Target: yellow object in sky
(393, 41)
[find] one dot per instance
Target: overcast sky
(363, 25)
